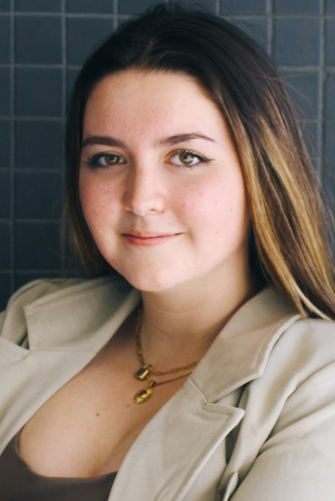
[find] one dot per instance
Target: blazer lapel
(174, 447)
(63, 338)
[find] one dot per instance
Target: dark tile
(330, 143)
(38, 91)
(328, 184)
(330, 42)
(39, 144)
(24, 277)
(5, 289)
(5, 143)
(4, 40)
(303, 89)
(304, 37)
(255, 28)
(71, 75)
(38, 195)
(135, 6)
(83, 35)
(4, 5)
(4, 91)
(330, 7)
(328, 170)
(304, 7)
(38, 6)
(5, 245)
(4, 193)
(243, 7)
(38, 39)
(310, 135)
(37, 246)
(96, 7)
(202, 5)
(330, 96)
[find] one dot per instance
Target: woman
(212, 376)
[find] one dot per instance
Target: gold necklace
(146, 370)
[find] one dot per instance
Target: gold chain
(147, 369)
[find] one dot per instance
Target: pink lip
(148, 240)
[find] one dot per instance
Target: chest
(178, 454)
(90, 423)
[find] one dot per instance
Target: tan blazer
(254, 422)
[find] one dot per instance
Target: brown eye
(105, 160)
(187, 158)
(110, 159)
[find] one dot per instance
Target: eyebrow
(166, 141)
(105, 140)
(182, 138)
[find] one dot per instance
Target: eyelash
(93, 161)
(201, 158)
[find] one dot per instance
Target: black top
(19, 483)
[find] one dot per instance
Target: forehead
(147, 101)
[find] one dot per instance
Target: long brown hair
(288, 239)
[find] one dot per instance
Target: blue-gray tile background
(43, 43)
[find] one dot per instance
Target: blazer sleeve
(297, 461)
(2, 320)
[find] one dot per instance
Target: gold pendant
(143, 396)
(142, 373)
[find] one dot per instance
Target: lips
(148, 239)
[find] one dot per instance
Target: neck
(179, 325)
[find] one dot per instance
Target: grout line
(64, 102)
(29, 271)
(31, 65)
(111, 14)
(115, 13)
(23, 220)
(33, 169)
(63, 65)
(321, 93)
(36, 118)
(270, 26)
(58, 66)
(64, 87)
(306, 68)
(12, 148)
(90, 15)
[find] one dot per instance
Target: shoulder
(310, 341)
(58, 297)
(32, 291)
(38, 288)
(287, 436)
(303, 356)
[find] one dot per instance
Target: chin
(147, 281)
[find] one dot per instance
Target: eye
(105, 160)
(188, 158)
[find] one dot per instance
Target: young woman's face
(160, 182)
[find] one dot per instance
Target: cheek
(96, 201)
(217, 208)
(214, 199)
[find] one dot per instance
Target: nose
(143, 193)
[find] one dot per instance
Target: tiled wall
(42, 44)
